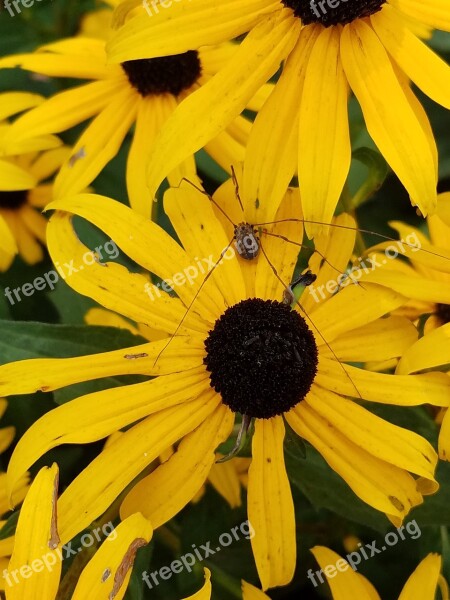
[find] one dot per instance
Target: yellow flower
(143, 92)
(35, 567)
(425, 278)
(229, 341)
(226, 478)
(365, 45)
(346, 583)
(23, 188)
(6, 544)
(13, 103)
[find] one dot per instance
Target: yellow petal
(432, 350)
(402, 390)
(270, 506)
(389, 117)
(13, 177)
(332, 318)
(142, 303)
(433, 13)
(425, 68)
(149, 245)
(224, 478)
(334, 249)
(393, 444)
(383, 339)
(97, 415)
(272, 146)
(35, 565)
(423, 582)
(205, 592)
(250, 592)
(418, 288)
(66, 109)
(47, 374)
(152, 113)
(107, 574)
(202, 235)
(224, 96)
(324, 151)
(92, 492)
(383, 486)
(280, 246)
(344, 582)
(8, 243)
(99, 143)
(12, 103)
(163, 493)
(185, 26)
(444, 437)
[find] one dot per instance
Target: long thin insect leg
(210, 198)
(311, 321)
(240, 440)
(349, 228)
(324, 258)
(208, 275)
(236, 186)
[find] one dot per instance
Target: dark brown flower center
(333, 12)
(262, 358)
(164, 75)
(13, 200)
(443, 313)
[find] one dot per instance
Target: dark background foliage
(50, 324)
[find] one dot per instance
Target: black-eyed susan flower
(367, 46)
(35, 566)
(6, 544)
(227, 477)
(345, 583)
(237, 349)
(425, 277)
(141, 93)
(24, 187)
(13, 103)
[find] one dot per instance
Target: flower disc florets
(262, 358)
(164, 75)
(13, 200)
(333, 12)
(443, 313)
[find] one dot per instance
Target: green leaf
(20, 341)
(326, 489)
(377, 169)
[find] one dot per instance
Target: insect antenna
(289, 287)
